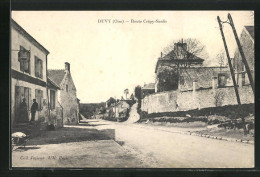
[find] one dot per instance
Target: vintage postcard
(132, 89)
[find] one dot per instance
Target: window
(24, 59)
(38, 67)
(52, 99)
(39, 98)
(221, 80)
(67, 88)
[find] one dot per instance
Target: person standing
(34, 108)
(23, 112)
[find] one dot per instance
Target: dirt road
(167, 149)
(99, 143)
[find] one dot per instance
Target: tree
(126, 91)
(138, 92)
(111, 101)
(167, 79)
(132, 97)
(194, 47)
(138, 95)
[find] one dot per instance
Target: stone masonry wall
(173, 101)
(68, 101)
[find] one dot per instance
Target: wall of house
(57, 113)
(43, 114)
(68, 101)
(173, 101)
(19, 40)
(248, 49)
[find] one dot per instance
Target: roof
(203, 76)
(251, 31)
(52, 84)
(171, 57)
(130, 102)
(56, 75)
(150, 86)
(16, 26)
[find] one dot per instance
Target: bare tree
(194, 47)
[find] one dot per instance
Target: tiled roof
(56, 75)
(250, 30)
(172, 56)
(149, 86)
(52, 84)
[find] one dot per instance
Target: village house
(247, 43)
(122, 108)
(67, 95)
(189, 71)
(29, 80)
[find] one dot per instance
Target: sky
(107, 58)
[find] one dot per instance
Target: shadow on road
(89, 125)
(26, 148)
(72, 134)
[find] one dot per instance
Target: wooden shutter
(41, 98)
(19, 92)
(26, 96)
(35, 68)
(40, 68)
(29, 99)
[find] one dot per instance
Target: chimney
(67, 67)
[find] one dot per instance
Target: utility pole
(229, 61)
(242, 54)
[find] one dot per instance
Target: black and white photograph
(132, 89)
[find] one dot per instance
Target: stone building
(28, 78)
(67, 95)
(183, 71)
(247, 42)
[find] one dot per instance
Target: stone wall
(173, 101)
(68, 100)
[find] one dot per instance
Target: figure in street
(23, 112)
(34, 108)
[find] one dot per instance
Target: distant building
(148, 89)
(67, 96)
(247, 42)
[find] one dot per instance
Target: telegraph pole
(229, 61)
(242, 54)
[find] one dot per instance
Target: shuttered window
(38, 67)
(52, 99)
(39, 98)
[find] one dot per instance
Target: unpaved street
(99, 143)
(169, 149)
